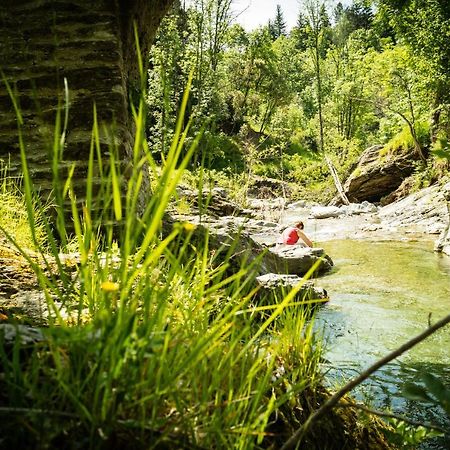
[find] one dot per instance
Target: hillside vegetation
(281, 103)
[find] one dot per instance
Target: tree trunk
(91, 44)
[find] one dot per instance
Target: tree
(245, 72)
(338, 12)
(166, 79)
(300, 33)
(359, 16)
(397, 88)
(351, 39)
(347, 107)
(319, 26)
(425, 25)
(347, 20)
(189, 39)
(260, 78)
(277, 27)
(209, 24)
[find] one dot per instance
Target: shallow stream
(382, 293)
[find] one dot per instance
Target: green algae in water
(382, 294)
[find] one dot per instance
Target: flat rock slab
(25, 334)
(274, 287)
(297, 260)
(241, 249)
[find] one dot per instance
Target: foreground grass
(167, 348)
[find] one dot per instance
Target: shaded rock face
(377, 176)
(91, 44)
(401, 192)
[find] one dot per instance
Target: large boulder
(297, 260)
(273, 287)
(237, 247)
(377, 175)
(443, 243)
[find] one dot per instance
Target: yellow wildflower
(110, 286)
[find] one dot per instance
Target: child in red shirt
(291, 235)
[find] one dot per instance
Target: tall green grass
(166, 349)
(13, 213)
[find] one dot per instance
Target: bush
(404, 142)
(221, 152)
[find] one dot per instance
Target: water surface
(383, 293)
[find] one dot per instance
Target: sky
(252, 13)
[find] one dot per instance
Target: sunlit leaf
(445, 154)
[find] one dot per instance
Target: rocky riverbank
(253, 232)
(421, 215)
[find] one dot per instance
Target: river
(382, 293)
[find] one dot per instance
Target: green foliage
(425, 26)
(13, 213)
(425, 175)
(403, 141)
(408, 436)
(376, 83)
(441, 148)
(188, 39)
(432, 391)
(221, 152)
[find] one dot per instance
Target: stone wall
(91, 44)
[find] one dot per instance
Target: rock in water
(297, 260)
(239, 249)
(274, 287)
(325, 212)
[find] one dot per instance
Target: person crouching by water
(295, 235)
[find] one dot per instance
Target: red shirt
(290, 236)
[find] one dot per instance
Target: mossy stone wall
(91, 44)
